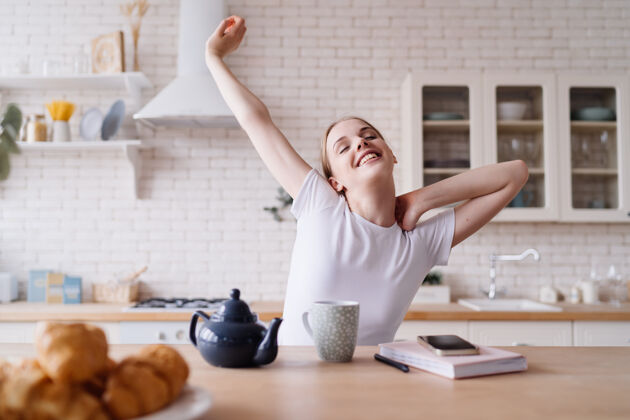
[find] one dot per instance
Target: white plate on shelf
(90, 124)
(112, 120)
(193, 403)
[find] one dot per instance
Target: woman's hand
(226, 38)
(408, 211)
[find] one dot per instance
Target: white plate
(193, 403)
(91, 124)
(112, 120)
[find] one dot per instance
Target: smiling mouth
(367, 158)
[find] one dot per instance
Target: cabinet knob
(180, 335)
(161, 336)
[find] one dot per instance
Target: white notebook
(489, 361)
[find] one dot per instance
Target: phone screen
(447, 342)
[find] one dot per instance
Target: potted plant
(432, 290)
(9, 129)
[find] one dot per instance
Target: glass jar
(36, 129)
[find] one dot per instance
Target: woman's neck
(376, 203)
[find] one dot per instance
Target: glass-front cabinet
(519, 116)
(441, 127)
(594, 147)
(571, 129)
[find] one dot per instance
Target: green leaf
(8, 143)
(4, 164)
(12, 117)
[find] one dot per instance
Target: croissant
(146, 382)
(28, 394)
(71, 352)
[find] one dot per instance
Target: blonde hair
(324, 156)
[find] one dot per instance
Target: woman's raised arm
(284, 163)
(487, 189)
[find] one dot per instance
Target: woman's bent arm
(488, 190)
(284, 163)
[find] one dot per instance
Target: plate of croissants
(72, 378)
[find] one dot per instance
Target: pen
(391, 362)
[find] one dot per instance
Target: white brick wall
(200, 225)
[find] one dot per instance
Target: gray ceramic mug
(335, 325)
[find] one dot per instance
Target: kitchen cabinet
(24, 332)
(577, 170)
(520, 333)
(601, 333)
(594, 155)
(441, 126)
(529, 136)
(165, 332)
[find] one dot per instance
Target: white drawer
(17, 332)
(520, 333)
(409, 330)
(601, 333)
(151, 332)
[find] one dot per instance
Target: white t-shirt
(339, 255)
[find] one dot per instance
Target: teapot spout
(268, 348)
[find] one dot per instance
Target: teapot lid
(234, 310)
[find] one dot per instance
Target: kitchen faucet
(492, 290)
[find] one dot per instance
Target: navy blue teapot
(233, 337)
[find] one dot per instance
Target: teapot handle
(193, 325)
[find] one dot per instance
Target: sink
(508, 305)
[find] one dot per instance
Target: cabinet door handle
(516, 343)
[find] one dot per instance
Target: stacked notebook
(489, 361)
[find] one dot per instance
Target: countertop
(560, 383)
(25, 312)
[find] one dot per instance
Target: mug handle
(193, 325)
(306, 324)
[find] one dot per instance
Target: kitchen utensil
(594, 113)
(134, 276)
(191, 404)
(442, 116)
(334, 327)
(232, 337)
(90, 124)
(511, 110)
(61, 131)
(113, 119)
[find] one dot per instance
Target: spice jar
(36, 128)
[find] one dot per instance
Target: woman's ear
(335, 184)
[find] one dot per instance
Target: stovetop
(176, 304)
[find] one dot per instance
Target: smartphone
(448, 345)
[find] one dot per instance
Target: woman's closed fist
(227, 37)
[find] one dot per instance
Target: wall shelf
(133, 82)
(131, 148)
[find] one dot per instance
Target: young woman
(355, 239)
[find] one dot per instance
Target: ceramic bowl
(511, 110)
(594, 113)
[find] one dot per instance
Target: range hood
(192, 100)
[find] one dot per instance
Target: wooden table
(561, 383)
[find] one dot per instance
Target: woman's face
(357, 155)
